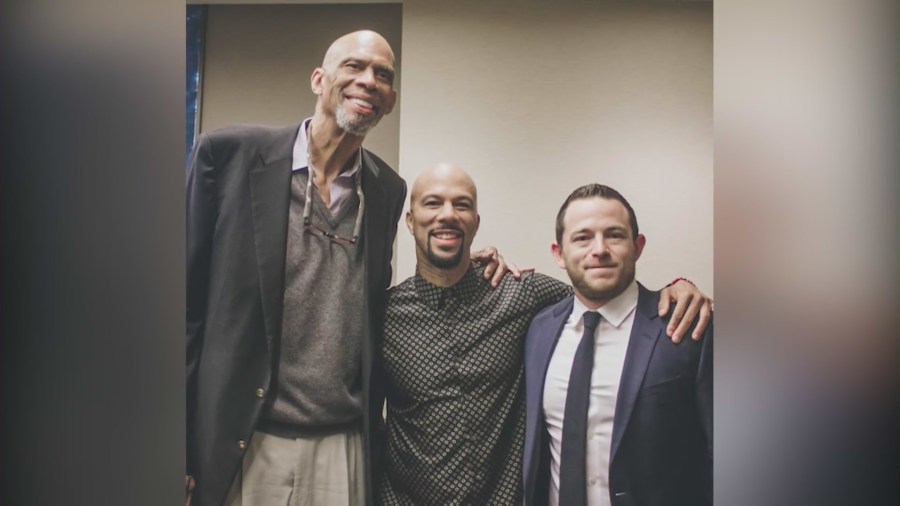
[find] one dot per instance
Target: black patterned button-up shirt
(455, 388)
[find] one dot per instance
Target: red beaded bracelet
(680, 279)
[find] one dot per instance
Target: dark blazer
(661, 451)
(238, 197)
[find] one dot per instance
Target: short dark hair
(590, 191)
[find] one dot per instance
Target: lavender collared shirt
(343, 186)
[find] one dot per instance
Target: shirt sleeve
(547, 290)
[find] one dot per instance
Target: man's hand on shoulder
(496, 266)
(689, 303)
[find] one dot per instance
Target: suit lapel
(645, 333)
(270, 196)
(549, 332)
(373, 233)
(545, 348)
(373, 218)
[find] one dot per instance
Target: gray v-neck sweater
(319, 374)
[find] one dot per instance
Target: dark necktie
(573, 452)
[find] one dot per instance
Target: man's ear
(639, 244)
(409, 221)
(315, 80)
(556, 249)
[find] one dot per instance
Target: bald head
(444, 175)
(362, 40)
(355, 83)
(443, 219)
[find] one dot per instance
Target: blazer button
(260, 392)
(242, 444)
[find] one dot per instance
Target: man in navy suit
(616, 413)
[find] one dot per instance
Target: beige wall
(537, 98)
(534, 98)
(258, 60)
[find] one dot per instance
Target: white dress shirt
(343, 186)
(610, 344)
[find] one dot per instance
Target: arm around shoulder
(691, 306)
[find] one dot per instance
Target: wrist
(680, 279)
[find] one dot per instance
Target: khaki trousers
(316, 471)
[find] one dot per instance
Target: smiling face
(355, 82)
(598, 249)
(443, 217)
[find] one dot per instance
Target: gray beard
(360, 127)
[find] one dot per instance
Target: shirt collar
(466, 290)
(301, 161)
(614, 311)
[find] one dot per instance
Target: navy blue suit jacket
(661, 452)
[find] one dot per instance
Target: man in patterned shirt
(452, 354)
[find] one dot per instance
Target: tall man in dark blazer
(615, 412)
(289, 237)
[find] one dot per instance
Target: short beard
(445, 263)
(360, 127)
(602, 295)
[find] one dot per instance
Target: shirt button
(260, 392)
(593, 482)
(242, 444)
